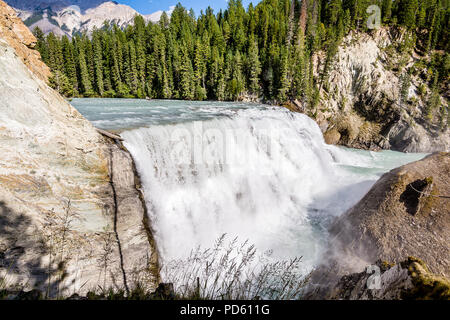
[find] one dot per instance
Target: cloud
(155, 16)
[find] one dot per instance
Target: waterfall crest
(266, 176)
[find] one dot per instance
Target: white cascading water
(262, 175)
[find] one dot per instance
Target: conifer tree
(115, 65)
(132, 70)
(408, 10)
(86, 86)
(200, 70)
(386, 11)
(98, 65)
(41, 44)
(265, 51)
(186, 75)
(254, 66)
(70, 70)
(284, 80)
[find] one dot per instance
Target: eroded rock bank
(405, 214)
(376, 96)
(409, 279)
(71, 212)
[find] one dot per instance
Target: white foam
(278, 192)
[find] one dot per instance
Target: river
(252, 171)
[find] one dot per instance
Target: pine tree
(266, 50)
(139, 40)
(254, 66)
(98, 65)
(216, 82)
(236, 83)
(186, 76)
(86, 86)
(386, 11)
(421, 15)
(132, 75)
(70, 70)
(299, 66)
(434, 100)
(41, 44)
(61, 83)
(200, 70)
(405, 82)
(284, 80)
(55, 60)
(408, 10)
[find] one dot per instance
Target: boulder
(332, 136)
(406, 213)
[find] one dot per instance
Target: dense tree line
(262, 51)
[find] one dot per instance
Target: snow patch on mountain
(68, 17)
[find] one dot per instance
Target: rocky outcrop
(406, 213)
(409, 279)
(138, 253)
(18, 37)
(71, 214)
(365, 101)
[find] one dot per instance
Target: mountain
(67, 17)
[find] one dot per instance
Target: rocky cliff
(376, 96)
(406, 213)
(18, 37)
(71, 215)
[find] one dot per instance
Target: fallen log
(109, 134)
(298, 105)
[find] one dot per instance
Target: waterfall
(252, 171)
(262, 175)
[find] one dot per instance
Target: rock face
(409, 279)
(17, 35)
(364, 103)
(406, 213)
(71, 216)
(139, 257)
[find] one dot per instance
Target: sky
(151, 6)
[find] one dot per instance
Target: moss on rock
(427, 286)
